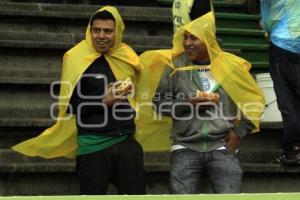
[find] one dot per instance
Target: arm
(167, 97)
(108, 100)
(244, 127)
(234, 136)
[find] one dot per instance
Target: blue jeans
(187, 166)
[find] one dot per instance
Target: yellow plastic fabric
(152, 133)
(231, 72)
(181, 12)
(60, 139)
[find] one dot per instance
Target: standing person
(206, 132)
(101, 111)
(154, 133)
(281, 21)
(188, 10)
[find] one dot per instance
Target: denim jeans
(187, 167)
(285, 73)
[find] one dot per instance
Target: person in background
(188, 10)
(280, 19)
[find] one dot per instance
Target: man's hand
(204, 103)
(117, 92)
(208, 96)
(205, 98)
(111, 97)
(232, 141)
(122, 88)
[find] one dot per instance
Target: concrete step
(30, 104)
(26, 109)
(241, 35)
(14, 128)
(225, 35)
(235, 3)
(22, 175)
(39, 65)
(237, 6)
(31, 114)
(24, 106)
(35, 111)
(158, 162)
(10, 136)
(30, 75)
(38, 96)
(23, 117)
(257, 54)
(45, 65)
(77, 15)
(219, 6)
(154, 162)
(95, 2)
(240, 6)
(27, 105)
(235, 20)
(228, 38)
(71, 38)
(41, 184)
(222, 6)
(36, 57)
(43, 18)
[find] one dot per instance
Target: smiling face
(195, 48)
(103, 34)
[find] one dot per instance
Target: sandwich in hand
(123, 87)
(208, 97)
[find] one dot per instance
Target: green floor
(272, 196)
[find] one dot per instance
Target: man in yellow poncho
(154, 133)
(206, 133)
(97, 105)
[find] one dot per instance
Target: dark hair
(105, 15)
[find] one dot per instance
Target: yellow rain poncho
(153, 133)
(230, 71)
(181, 11)
(60, 139)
